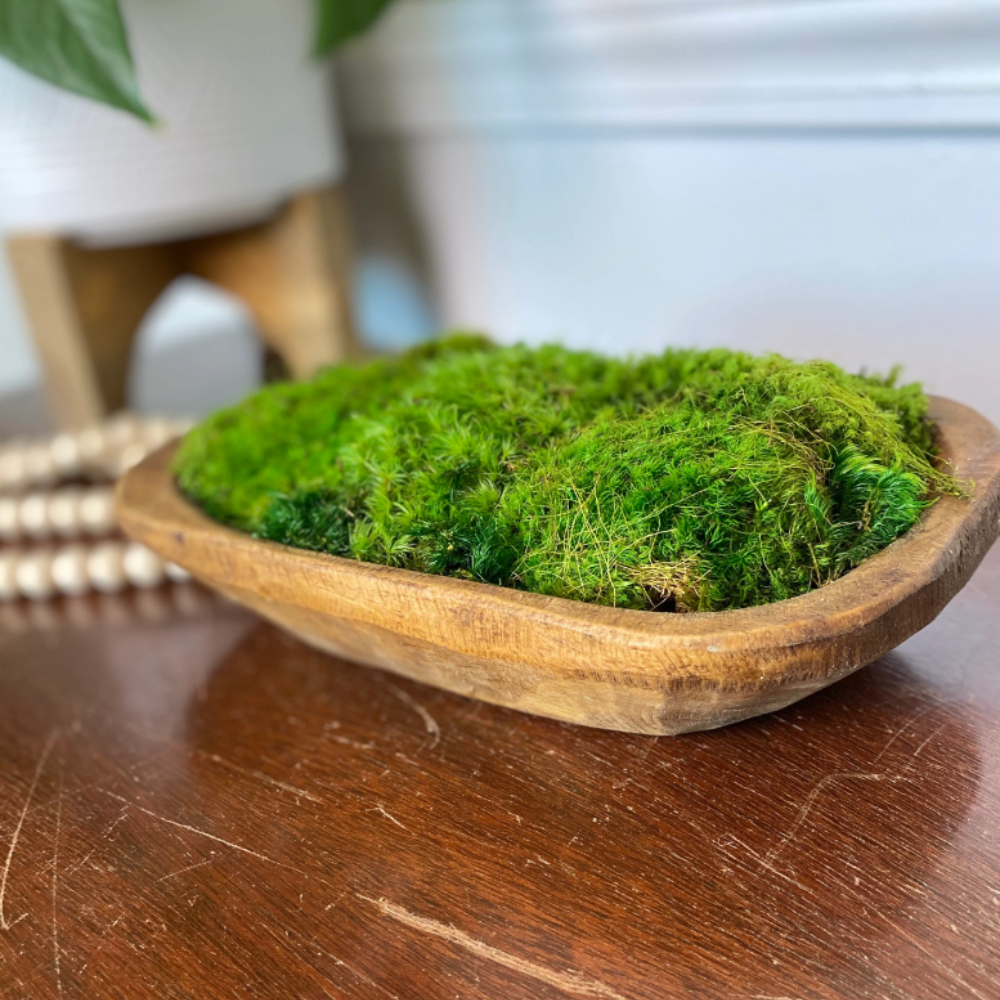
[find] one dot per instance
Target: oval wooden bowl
(631, 670)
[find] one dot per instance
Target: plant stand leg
(83, 306)
(293, 272)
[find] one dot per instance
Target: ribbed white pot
(246, 118)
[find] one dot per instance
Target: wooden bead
(143, 567)
(65, 451)
(63, 511)
(33, 574)
(106, 567)
(32, 515)
(97, 511)
(69, 570)
(90, 444)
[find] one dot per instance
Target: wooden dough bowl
(638, 671)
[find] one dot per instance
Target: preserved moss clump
(686, 481)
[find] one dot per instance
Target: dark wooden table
(195, 805)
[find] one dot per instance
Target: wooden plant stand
(84, 304)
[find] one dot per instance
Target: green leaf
(79, 45)
(339, 20)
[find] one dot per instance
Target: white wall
(863, 249)
(819, 179)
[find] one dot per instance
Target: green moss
(690, 480)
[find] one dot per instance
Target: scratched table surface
(193, 804)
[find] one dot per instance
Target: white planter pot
(247, 118)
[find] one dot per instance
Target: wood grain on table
(194, 805)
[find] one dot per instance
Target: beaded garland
(79, 517)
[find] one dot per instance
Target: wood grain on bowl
(637, 671)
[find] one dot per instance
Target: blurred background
(814, 177)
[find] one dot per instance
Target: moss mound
(689, 481)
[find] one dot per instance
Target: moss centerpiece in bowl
(501, 521)
(689, 481)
